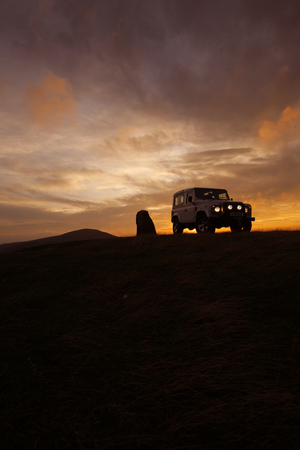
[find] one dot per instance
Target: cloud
(2, 91)
(50, 103)
(287, 127)
(171, 94)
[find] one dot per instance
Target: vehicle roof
(190, 189)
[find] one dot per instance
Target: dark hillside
(78, 235)
(162, 342)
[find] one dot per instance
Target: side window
(178, 200)
(190, 197)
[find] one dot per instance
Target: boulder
(144, 223)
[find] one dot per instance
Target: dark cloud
(203, 60)
(213, 155)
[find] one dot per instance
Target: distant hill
(78, 235)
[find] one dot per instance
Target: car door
(189, 207)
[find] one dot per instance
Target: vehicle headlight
(239, 207)
(246, 209)
(217, 208)
(229, 206)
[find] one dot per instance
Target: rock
(144, 223)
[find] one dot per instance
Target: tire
(203, 225)
(236, 228)
(245, 226)
(177, 226)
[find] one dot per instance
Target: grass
(165, 342)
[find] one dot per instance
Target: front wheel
(244, 226)
(247, 225)
(177, 227)
(203, 225)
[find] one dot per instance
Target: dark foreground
(165, 342)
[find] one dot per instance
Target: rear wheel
(203, 225)
(177, 227)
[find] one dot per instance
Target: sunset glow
(109, 107)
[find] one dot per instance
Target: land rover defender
(207, 209)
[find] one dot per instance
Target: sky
(110, 106)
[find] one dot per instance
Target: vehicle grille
(234, 211)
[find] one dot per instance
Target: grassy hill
(161, 342)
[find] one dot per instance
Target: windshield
(214, 194)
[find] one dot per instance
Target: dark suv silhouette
(207, 209)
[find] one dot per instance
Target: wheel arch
(201, 213)
(176, 216)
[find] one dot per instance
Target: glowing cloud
(51, 103)
(288, 124)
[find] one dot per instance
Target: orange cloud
(287, 125)
(51, 103)
(2, 91)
